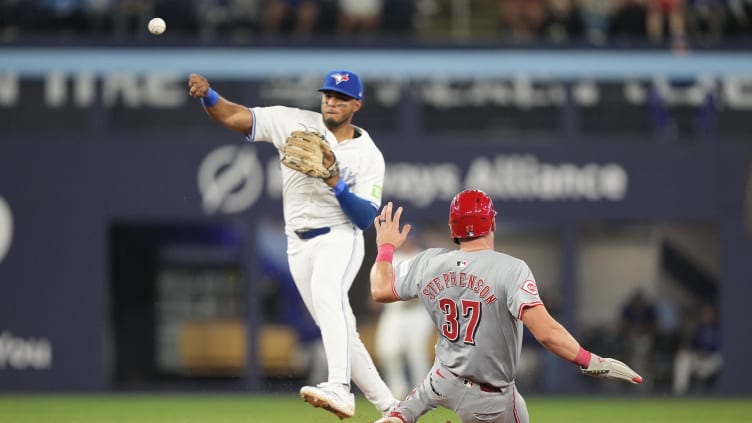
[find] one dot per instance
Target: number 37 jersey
(475, 300)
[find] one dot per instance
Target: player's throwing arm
(231, 115)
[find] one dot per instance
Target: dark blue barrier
(92, 140)
(64, 192)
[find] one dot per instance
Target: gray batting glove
(609, 368)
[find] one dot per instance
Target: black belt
(312, 233)
(482, 386)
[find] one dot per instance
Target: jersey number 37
(467, 310)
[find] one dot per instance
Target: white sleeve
(371, 179)
(275, 123)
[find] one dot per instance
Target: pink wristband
(583, 358)
(386, 253)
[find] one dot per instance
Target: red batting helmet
(471, 214)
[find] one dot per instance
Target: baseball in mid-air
(157, 26)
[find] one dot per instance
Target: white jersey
(475, 300)
(307, 201)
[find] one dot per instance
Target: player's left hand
(609, 368)
(309, 152)
(388, 227)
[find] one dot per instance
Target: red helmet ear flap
(471, 214)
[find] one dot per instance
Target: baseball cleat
(333, 397)
(387, 411)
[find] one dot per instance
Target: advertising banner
(509, 109)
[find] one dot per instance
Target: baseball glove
(608, 368)
(305, 151)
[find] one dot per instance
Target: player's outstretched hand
(609, 368)
(198, 86)
(388, 227)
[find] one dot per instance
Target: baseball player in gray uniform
(324, 223)
(478, 300)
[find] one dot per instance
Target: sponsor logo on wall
(166, 91)
(20, 353)
(83, 90)
(230, 179)
(6, 228)
(508, 178)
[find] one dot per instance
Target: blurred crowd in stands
(677, 23)
(679, 347)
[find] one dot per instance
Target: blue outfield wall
(62, 196)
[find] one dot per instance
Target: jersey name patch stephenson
(465, 280)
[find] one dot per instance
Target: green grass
(290, 408)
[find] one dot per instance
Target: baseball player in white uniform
(478, 300)
(324, 220)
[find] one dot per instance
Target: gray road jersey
(475, 300)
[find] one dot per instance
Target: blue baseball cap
(344, 82)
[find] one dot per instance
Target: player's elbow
(378, 293)
(239, 123)
(382, 295)
(382, 292)
(232, 116)
(381, 283)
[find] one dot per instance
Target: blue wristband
(211, 98)
(339, 188)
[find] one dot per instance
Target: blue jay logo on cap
(340, 77)
(344, 82)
